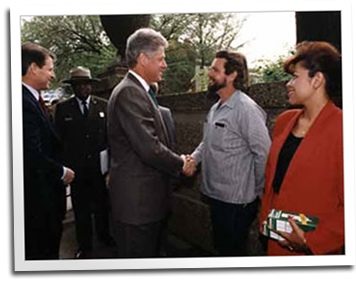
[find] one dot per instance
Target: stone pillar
(118, 28)
(108, 80)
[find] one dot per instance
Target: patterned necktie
(85, 108)
(43, 105)
(150, 91)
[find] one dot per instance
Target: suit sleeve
(137, 120)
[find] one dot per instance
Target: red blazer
(313, 183)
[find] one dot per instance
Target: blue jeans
(231, 224)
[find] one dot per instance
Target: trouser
(138, 241)
(231, 223)
(90, 197)
(42, 236)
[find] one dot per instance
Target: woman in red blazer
(304, 172)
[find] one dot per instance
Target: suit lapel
(156, 112)
(29, 96)
(92, 105)
(75, 109)
(307, 148)
(278, 142)
(163, 127)
(304, 151)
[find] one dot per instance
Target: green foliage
(180, 69)
(75, 40)
(272, 71)
(201, 78)
(81, 40)
(194, 40)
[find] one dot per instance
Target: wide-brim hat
(79, 74)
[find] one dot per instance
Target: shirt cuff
(64, 173)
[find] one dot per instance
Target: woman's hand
(294, 241)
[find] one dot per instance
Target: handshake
(190, 165)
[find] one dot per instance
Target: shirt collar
(141, 80)
(80, 101)
(231, 102)
(34, 92)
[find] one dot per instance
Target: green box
(278, 220)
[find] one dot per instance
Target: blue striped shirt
(234, 150)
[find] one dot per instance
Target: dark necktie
(85, 108)
(43, 105)
(150, 91)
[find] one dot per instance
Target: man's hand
(69, 176)
(189, 166)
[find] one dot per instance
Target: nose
(164, 64)
(290, 82)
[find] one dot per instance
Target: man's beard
(213, 88)
(216, 86)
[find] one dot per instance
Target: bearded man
(233, 154)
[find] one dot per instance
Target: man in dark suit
(140, 158)
(44, 177)
(81, 124)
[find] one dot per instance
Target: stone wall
(190, 218)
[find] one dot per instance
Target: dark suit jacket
(169, 123)
(82, 138)
(140, 158)
(43, 188)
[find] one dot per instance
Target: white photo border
(184, 6)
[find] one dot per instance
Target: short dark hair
(235, 62)
(318, 56)
(34, 53)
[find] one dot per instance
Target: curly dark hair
(235, 62)
(318, 56)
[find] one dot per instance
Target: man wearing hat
(81, 124)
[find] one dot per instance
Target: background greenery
(193, 41)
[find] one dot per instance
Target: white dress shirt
(141, 80)
(80, 103)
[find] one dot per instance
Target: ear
(32, 68)
(142, 59)
(231, 77)
(318, 80)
